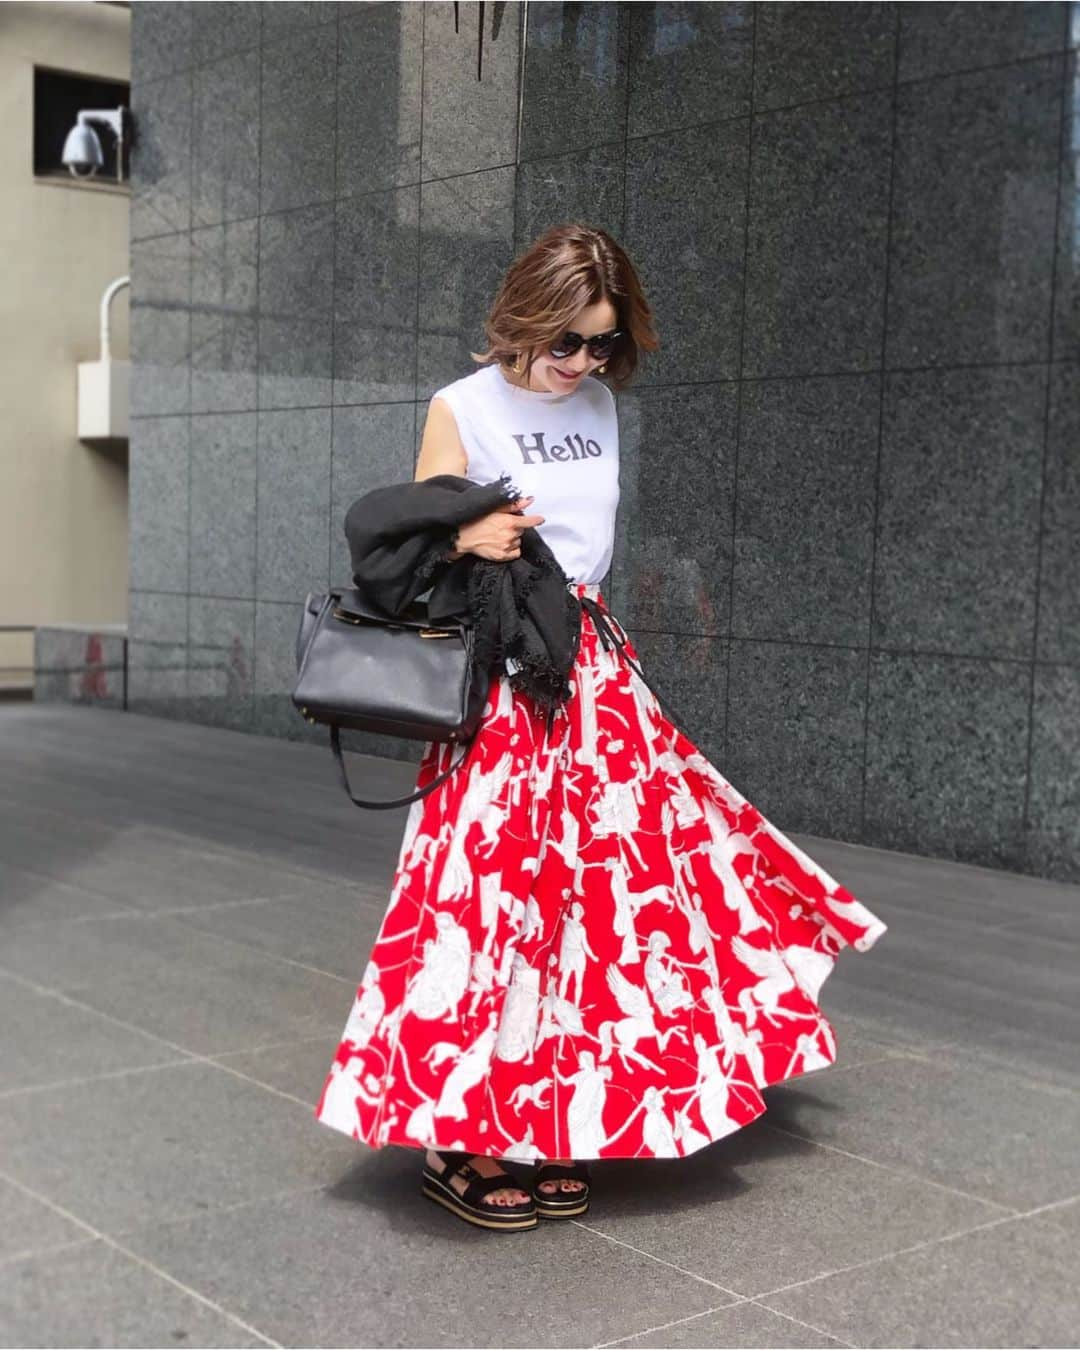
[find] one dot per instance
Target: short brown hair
(565, 269)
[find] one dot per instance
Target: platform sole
(507, 1225)
(563, 1212)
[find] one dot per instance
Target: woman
(595, 947)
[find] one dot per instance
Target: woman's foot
(561, 1188)
(565, 1186)
(486, 1167)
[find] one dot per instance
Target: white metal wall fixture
(105, 385)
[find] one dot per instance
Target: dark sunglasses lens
(566, 345)
(600, 347)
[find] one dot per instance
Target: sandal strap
(460, 1164)
(577, 1171)
(481, 1186)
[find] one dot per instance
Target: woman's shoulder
(600, 391)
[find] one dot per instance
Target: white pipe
(106, 301)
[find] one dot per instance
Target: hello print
(574, 448)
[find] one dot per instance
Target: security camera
(82, 149)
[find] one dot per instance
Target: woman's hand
(496, 536)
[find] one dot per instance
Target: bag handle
(335, 746)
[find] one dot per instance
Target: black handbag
(402, 675)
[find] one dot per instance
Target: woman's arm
(495, 536)
(441, 450)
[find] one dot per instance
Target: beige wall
(63, 505)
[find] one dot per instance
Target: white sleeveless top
(562, 449)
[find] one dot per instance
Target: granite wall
(848, 544)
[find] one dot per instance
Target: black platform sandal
(468, 1204)
(561, 1204)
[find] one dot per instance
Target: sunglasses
(600, 345)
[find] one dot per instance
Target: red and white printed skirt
(595, 947)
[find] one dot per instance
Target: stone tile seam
(760, 1297)
(635, 391)
(9, 1094)
(137, 912)
(733, 1301)
(925, 1245)
(52, 1249)
(671, 1265)
(901, 1173)
(753, 109)
(223, 851)
(720, 635)
(722, 1307)
(140, 1260)
(193, 1056)
(213, 906)
(666, 1326)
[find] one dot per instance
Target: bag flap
(351, 606)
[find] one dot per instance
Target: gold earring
(600, 369)
(518, 366)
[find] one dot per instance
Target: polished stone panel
(795, 734)
(587, 185)
(946, 749)
(958, 511)
(157, 680)
(221, 661)
(373, 447)
(296, 305)
(685, 226)
(673, 532)
(158, 459)
(160, 325)
(1053, 818)
(281, 17)
(1067, 275)
(222, 521)
(378, 98)
(157, 617)
(161, 157)
(689, 64)
(469, 124)
(809, 51)
(274, 714)
(804, 525)
(575, 78)
(973, 216)
(225, 139)
(937, 38)
(819, 202)
(293, 503)
(466, 245)
(224, 320)
(692, 673)
(1059, 580)
(375, 281)
(224, 28)
(299, 111)
(161, 39)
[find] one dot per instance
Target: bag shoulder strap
(335, 746)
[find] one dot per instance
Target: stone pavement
(184, 914)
